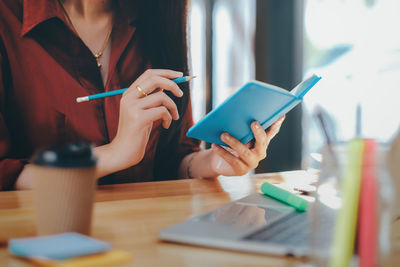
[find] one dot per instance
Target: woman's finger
(169, 74)
(275, 127)
(238, 166)
(261, 140)
(242, 150)
(158, 113)
(157, 82)
(139, 89)
(160, 99)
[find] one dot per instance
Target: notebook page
(302, 88)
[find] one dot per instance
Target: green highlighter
(284, 196)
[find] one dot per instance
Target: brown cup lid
(74, 155)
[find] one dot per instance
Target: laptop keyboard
(293, 229)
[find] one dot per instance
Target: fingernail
(180, 93)
(179, 73)
(225, 136)
(256, 125)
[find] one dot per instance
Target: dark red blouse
(44, 66)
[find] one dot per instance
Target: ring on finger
(141, 90)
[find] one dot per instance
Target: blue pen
(121, 91)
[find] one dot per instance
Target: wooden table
(130, 216)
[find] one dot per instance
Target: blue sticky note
(57, 247)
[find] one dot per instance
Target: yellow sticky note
(109, 258)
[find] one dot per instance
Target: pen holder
(394, 167)
(64, 186)
(326, 205)
(355, 187)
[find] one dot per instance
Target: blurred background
(353, 44)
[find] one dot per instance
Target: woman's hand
(240, 158)
(141, 105)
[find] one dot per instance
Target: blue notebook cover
(255, 101)
(57, 247)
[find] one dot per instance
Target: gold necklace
(100, 52)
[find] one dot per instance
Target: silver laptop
(258, 224)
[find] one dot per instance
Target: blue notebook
(255, 101)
